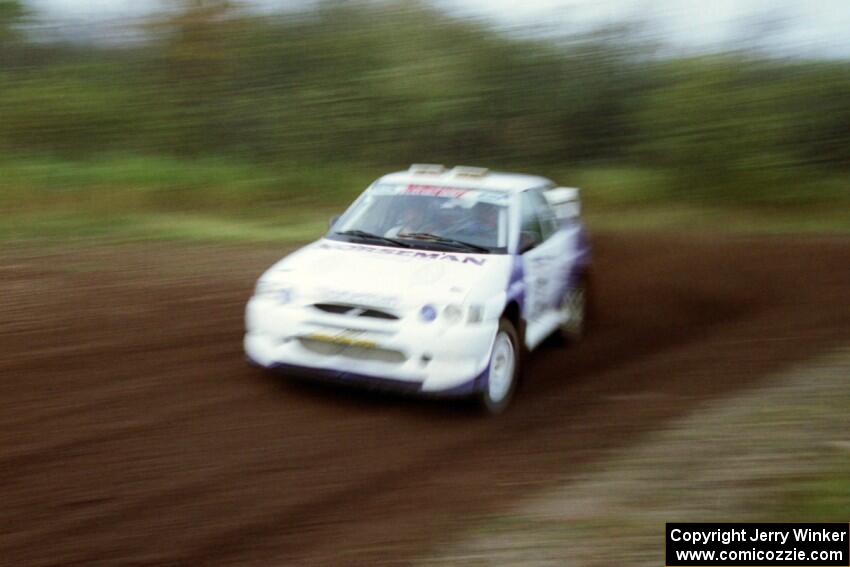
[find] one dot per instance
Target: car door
(541, 258)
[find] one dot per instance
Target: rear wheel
(503, 370)
(574, 310)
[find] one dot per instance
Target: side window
(529, 224)
(548, 219)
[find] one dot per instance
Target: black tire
(494, 400)
(579, 298)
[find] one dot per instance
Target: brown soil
(132, 431)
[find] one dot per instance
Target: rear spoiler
(565, 200)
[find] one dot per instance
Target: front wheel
(503, 370)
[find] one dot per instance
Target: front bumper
(406, 355)
(389, 385)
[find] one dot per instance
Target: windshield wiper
(444, 240)
(370, 236)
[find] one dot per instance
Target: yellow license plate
(344, 340)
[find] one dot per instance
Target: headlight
(453, 313)
(273, 290)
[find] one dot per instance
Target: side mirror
(332, 221)
(528, 240)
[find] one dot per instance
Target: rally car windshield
(442, 218)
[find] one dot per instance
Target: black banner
(761, 545)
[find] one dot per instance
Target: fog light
(428, 313)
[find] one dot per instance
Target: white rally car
(434, 281)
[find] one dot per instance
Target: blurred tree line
(390, 83)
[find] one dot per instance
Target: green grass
(612, 186)
(223, 199)
(688, 216)
(630, 198)
(134, 183)
(69, 228)
(819, 497)
(148, 197)
(798, 189)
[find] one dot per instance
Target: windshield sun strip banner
(440, 191)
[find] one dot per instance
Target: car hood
(381, 276)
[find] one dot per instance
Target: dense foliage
(392, 83)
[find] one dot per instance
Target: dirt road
(132, 432)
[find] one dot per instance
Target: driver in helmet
(412, 219)
(480, 225)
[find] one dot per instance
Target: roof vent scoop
(427, 168)
(466, 171)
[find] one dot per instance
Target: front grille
(354, 311)
(333, 308)
(374, 313)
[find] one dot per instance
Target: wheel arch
(513, 313)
